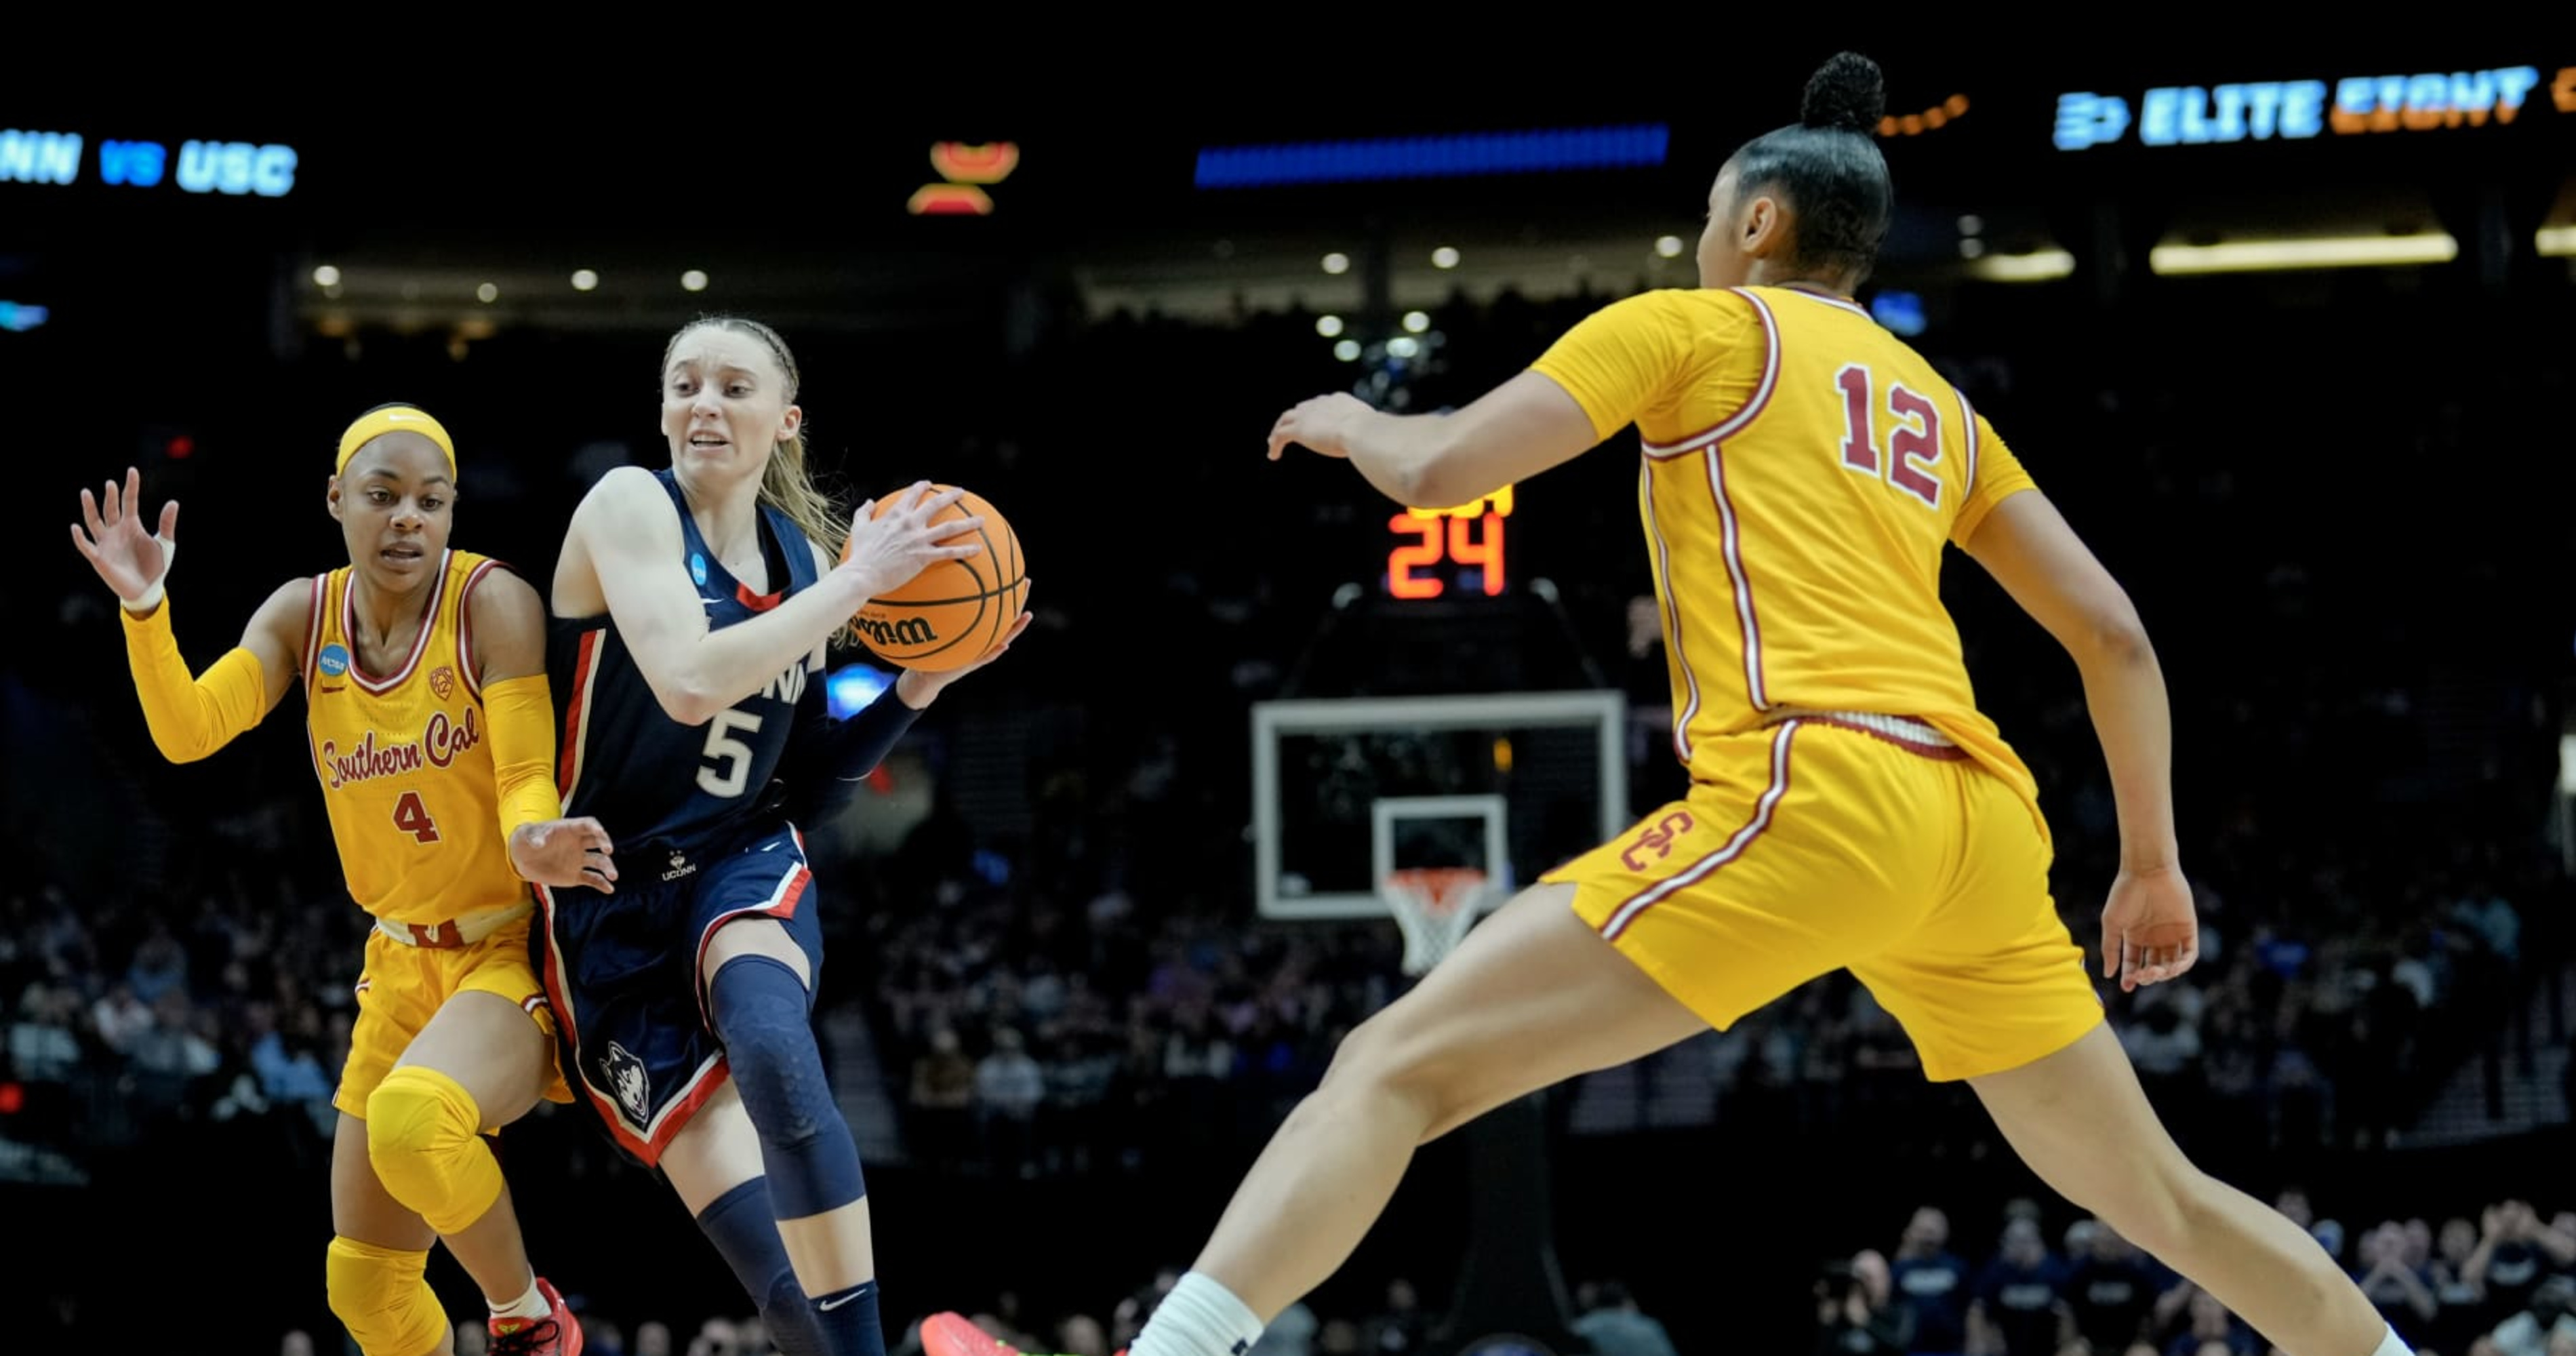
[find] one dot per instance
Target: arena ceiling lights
(2264, 256)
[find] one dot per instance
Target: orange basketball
(955, 611)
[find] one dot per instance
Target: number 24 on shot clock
(1469, 536)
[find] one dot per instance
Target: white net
(1434, 907)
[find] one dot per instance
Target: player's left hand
(917, 689)
(1323, 423)
(2150, 928)
(562, 853)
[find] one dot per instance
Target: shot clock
(1441, 547)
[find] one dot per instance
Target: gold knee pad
(381, 1297)
(421, 1138)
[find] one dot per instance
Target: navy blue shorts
(622, 972)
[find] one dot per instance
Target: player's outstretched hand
(563, 853)
(1323, 423)
(129, 556)
(2150, 929)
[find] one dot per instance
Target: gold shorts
(405, 985)
(1860, 843)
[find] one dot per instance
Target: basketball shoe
(557, 1334)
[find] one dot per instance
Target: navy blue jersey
(651, 781)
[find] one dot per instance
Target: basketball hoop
(1434, 906)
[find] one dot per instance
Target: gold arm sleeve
(190, 718)
(522, 712)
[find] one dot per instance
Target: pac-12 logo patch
(335, 659)
(442, 680)
(698, 568)
(626, 1078)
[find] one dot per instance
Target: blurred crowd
(2499, 1283)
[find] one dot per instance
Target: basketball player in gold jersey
(433, 736)
(1849, 806)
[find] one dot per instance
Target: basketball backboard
(1347, 791)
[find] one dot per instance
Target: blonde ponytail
(786, 487)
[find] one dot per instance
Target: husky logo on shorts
(625, 1074)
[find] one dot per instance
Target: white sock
(1199, 1318)
(2393, 1347)
(529, 1305)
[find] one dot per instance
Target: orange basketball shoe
(557, 1334)
(953, 1334)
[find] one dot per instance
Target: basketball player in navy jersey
(692, 609)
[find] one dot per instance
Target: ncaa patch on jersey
(698, 568)
(334, 660)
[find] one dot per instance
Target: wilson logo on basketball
(909, 631)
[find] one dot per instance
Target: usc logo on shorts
(1657, 838)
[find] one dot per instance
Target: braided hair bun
(1846, 94)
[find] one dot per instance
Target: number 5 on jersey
(1913, 443)
(728, 753)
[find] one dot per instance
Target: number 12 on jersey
(1913, 438)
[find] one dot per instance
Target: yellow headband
(394, 418)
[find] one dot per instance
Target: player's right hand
(886, 552)
(2150, 928)
(131, 558)
(562, 853)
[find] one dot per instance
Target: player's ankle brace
(760, 1012)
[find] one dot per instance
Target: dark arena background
(2286, 328)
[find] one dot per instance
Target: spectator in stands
(2111, 1292)
(2460, 1292)
(2211, 1326)
(1932, 1281)
(2549, 1319)
(1854, 1312)
(1008, 1088)
(1615, 1326)
(2509, 1261)
(2019, 1307)
(2404, 1295)
(943, 1098)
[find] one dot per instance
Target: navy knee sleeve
(746, 1233)
(759, 1010)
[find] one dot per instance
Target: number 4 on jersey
(412, 817)
(1913, 444)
